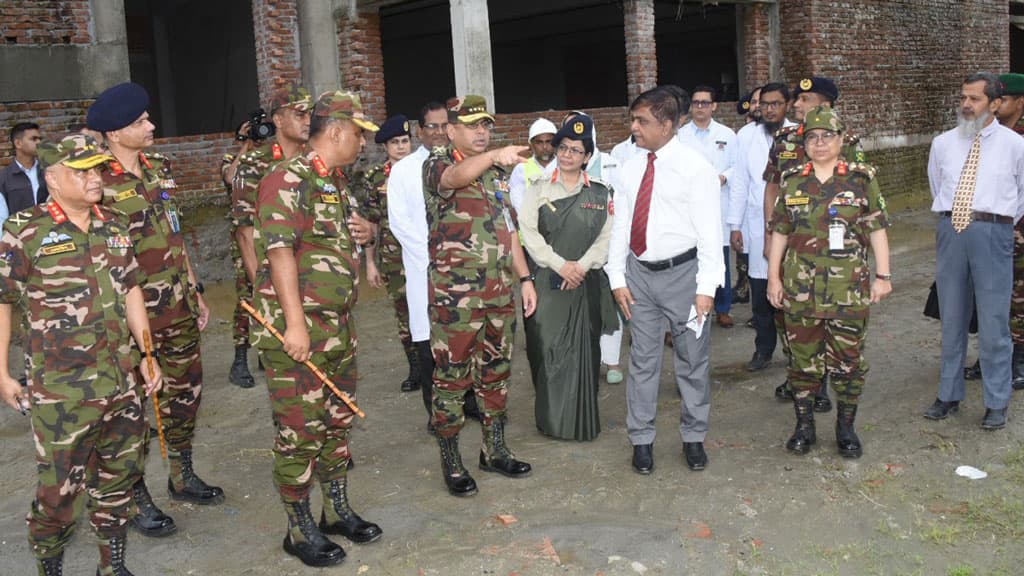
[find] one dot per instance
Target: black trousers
(764, 317)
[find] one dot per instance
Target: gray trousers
(978, 262)
(660, 296)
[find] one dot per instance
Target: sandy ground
(756, 510)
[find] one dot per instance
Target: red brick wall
(276, 27)
(641, 55)
(53, 119)
(362, 62)
(196, 162)
(612, 126)
(54, 22)
(756, 46)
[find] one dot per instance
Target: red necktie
(642, 208)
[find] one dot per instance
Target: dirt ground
(756, 510)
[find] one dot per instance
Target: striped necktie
(642, 209)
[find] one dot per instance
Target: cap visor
(87, 162)
(365, 124)
(471, 118)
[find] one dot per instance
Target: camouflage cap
(291, 96)
(469, 108)
(1013, 84)
(76, 151)
(822, 117)
(343, 105)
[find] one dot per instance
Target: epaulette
(254, 154)
(601, 182)
(794, 171)
(863, 168)
(786, 131)
(17, 221)
(850, 139)
(438, 150)
(156, 156)
(372, 171)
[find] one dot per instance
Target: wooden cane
(312, 367)
(156, 398)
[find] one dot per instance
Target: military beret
(76, 151)
(292, 96)
(117, 107)
(822, 117)
(395, 126)
(743, 106)
(342, 105)
(1013, 84)
(579, 128)
(469, 109)
(824, 86)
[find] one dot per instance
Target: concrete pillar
(318, 45)
(105, 62)
(471, 48)
(775, 73)
(641, 51)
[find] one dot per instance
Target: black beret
(117, 107)
(577, 128)
(824, 86)
(395, 126)
(743, 106)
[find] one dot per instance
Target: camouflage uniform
(473, 311)
(1017, 298)
(302, 207)
(827, 293)
(86, 406)
(243, 288)
(171, 304)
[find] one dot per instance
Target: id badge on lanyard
(836, 231)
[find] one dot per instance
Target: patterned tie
(638, 231)
(963, 200)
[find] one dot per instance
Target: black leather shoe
(643, 458)
(973, 372)
(758, 362)
(505, 466)
(995, 419)
(939, 410)
(783, 392)
(696, 458)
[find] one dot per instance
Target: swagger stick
(156, 399)
(323, 377)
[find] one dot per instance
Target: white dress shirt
(746, 201)
(33, 178)
(717, 143)
(999, 188)
(685, 213)
(407, 216)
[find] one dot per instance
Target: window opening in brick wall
(416, 42)
(1016, 36)
(197, 59)
(697, 45)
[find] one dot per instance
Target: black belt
(983, 217)
(674, 261)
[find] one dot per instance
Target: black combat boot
(51, 566)
(803, 437)
(339, 518)
(822, 404)
(412, 381)
(149, 520)
(193, 489)
(305, 541)
(456, 477)
(239, 375)
(784, 392)
(496, 457)
(112, 557)
(846, 437)
(1018, 366)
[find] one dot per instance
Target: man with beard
(746, 213)
(976, 172)
(541, 134)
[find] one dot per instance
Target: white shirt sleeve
(738, 187)
(618, 247)
(517, 186)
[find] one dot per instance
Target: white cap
(542, 126)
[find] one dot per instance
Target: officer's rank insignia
(18, 218)
(806, 84)
(125, 195)
(330, 198)
(797, 200)
(577, 128)
(119, 242)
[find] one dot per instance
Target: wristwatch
(883, 276)
(527, 278)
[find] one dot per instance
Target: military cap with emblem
(395, 126)
(117, 107)
(291, 96)
(822, 117)
(342, 105)
(469, 109)
(1013, 84)
(743, 106)
(819, 85)
(580, 128)
(77, 151)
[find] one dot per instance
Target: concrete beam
(318, 45)
(471, 49)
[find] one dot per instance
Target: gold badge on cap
(405, 126)
(806, 84)
(577, 128)
(746, 105)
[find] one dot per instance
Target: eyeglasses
(484, 124)
(565, 149)
(701, 103)
(433, 126)
(823, 137)
(772, 105)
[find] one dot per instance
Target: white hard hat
(541, 126)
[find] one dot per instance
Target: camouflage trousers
(91, 445)
(827, 345)
(472, 349)
(1017, 296)
(394, 279)
(177, 349)
(243, 291)
(312, 423)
